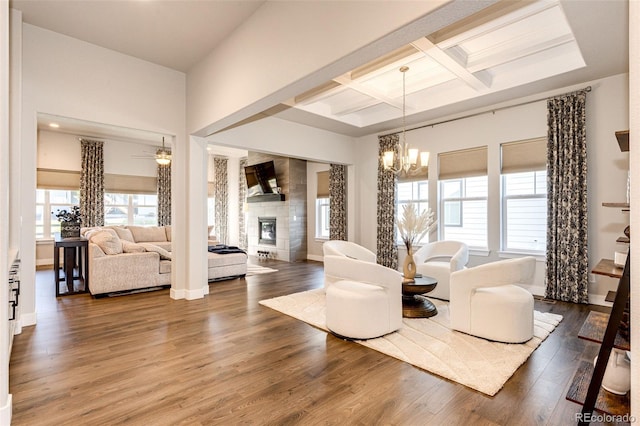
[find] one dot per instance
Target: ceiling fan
(162, 155)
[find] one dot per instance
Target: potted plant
(69, 222)
(413, 226)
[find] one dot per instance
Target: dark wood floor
(146, 359)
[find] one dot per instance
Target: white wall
(62, 151)
(607, 108)
(70, 78)
(281, 137)
(634, 124)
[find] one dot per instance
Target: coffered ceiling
(508, 45)
(511, 50)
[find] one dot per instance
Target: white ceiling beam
(511, 50)
(345, 80)
(480, 82)
(318, 93)
(497, 16)
(358, 106)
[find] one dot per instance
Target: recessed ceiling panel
(521, 45)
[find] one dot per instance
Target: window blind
(323, 184)
(463, 163)
(58, 179)
(126, 184)
(524, 156)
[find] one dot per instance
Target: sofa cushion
(154, 248)
(124, 234)
(167, 230)
(165, 266)
(107, 240)
(129, 247)
(145, 234)
(217, 260)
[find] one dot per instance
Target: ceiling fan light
(163, 160)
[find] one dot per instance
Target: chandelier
(407, 160)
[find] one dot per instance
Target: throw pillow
(107, 241)
(142, 234)
(154, 248)
(129, 247)
(124, 234)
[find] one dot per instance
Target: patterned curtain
(387, 250)
(567, 263)
(338, 202)
(92, 183)
(164, 194)
(221, 199)
(242, 195)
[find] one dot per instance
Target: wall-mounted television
(261, 179)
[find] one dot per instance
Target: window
(323, 207)
(524, 211)
(416, 192)
(130, 209)
(463, 196)
(211, 211)
(322, 217)
(48, 202)
(463, 207)
(524, 188)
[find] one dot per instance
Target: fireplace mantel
(265, 198)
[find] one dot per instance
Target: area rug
(430, 344)
(257, 270)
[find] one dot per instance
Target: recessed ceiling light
(54, 125)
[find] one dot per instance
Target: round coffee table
(413, 304)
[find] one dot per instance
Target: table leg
(85, 273)
(56, 268)
(69, 264)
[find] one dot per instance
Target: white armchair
(364, 299)
(348, 249)
(486, 302)
(345, 249)
(438, 260)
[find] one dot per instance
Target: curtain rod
(586, 89)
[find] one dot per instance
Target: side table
(413, 304)
(76, 264)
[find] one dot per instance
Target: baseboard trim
(315, 257)
(6, 412)
(598, 299)
(27, 319)
(187, 294)
(594, 299)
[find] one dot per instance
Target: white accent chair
(363, 299)
(486, 302)
(348, 249)
(439, 260)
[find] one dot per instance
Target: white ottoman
(359, 311)
(503, 313)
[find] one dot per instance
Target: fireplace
(267, 230)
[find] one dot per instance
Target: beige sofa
(125, 258)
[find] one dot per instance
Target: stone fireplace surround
(290, 214)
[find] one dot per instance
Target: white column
(189, 220)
